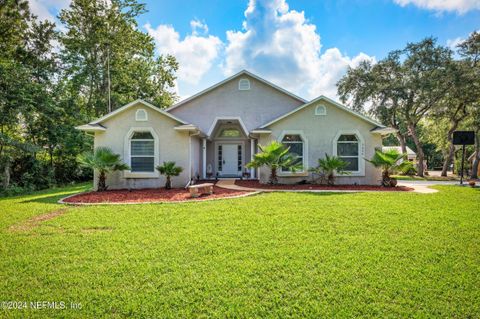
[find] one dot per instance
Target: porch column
(204, 158)
(252, 152)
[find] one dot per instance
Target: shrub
(169, 169)
(275, 156)
(104, 160)
(329, 166)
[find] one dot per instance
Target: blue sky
(304, 46)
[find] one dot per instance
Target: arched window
(321, 110)
(295, 143)
(141, 115)
(244, 84)
(230, 132)
(348, 149)
(142, 152)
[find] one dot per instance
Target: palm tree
(169, 169)
(329, 166)
(389, 163)
(104, 160)
(275, 156)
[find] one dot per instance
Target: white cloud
(460, 6)
(282, 46)
(452, 43)
(195, 53)
(47, 9)
(196, 25)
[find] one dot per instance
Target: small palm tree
(169, 169)
(103, 160)
(329, 166)
(275, 156)
(389, 163)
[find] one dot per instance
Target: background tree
(453, 108)
(109, 60)
(470, 51)
(403, 88)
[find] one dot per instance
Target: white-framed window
(348, 149)
(320, 110)
(244, 85)
(141, 115)
(142, 152)
(296, 147)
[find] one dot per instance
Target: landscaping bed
(256, 184)
(148, 195)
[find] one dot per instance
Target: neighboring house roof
(243, 72)
(91, 128)
(127, 106)
(320, 98)
(398, 149)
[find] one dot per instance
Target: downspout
(190, 180)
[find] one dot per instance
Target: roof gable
(129, 105)
(237, 75)
(324, 98)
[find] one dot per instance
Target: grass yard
(278, 255)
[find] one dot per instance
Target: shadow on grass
(51, 196)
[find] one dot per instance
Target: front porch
(226, 149)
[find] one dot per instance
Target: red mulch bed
(256, 184)
(148, 195)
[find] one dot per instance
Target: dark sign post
(463, 138)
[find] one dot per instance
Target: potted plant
(275, 156)
(169, 169)
(104, 161)
(246, 174)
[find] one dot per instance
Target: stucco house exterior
(215, 133)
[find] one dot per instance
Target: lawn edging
(63, 202)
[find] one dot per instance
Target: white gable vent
(244, 85)
(141, 115)
(321, 110)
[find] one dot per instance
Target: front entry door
(230, 154)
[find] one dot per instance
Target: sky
(303, 46)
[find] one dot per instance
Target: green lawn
(386, 255)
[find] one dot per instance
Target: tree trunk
(6, 175)
(448, 159)
(102, 184)
(385, 178)
(168, 183)
(419, 145)
(402, 140)
(476, 159)
(273, 176)
(451, 148)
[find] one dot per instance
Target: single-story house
(411, 155)
(215, 133)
